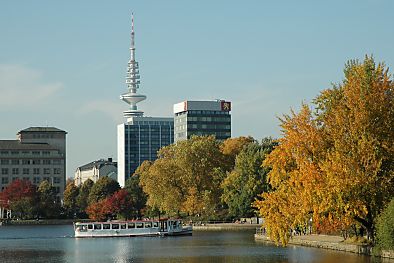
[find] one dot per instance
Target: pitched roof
(41, 129)
(17, 145)
(98, 164)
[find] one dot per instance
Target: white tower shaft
(132, 81)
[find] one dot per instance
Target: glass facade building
(139, 139)
(202, 118)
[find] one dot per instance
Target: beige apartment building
(38, 154)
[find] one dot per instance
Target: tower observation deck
(132, 81)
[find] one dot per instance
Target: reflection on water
(56, 244)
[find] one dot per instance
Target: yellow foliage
(336, 165)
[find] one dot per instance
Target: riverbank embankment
(329, 242)
(224, 226)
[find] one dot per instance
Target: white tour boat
(159, 227)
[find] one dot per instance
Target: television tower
(132, 80)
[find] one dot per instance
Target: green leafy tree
(186, 177)
(83, 195)
(248, 179)
(103, 188)
(231, 147)
(48, 205)
(136, 194)
(70, 199)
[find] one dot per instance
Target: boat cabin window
(97, 226)
(90, 226)
(123, 226)
(106, 226)
(139, 225)
(115, 226)
(82, 228)
(131, 225)
(148, 224)
(155, 224)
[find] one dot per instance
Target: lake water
(57, 244)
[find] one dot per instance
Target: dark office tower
(202, 118)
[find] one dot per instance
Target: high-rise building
(140, 137)
(202, 118)
(38, 154)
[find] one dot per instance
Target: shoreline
(225, 226)
(329, 242)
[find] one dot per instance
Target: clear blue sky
(63, 63)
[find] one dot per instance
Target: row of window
(28, 161)
(14, 171)
(5, 152)
(36, 180)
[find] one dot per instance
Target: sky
(63, 63)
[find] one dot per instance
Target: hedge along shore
(330, 242)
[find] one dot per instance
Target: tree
(103, 188)
(248, 179)
(121, 204)
(83, 195)
(70, 199)
(136, 193)
(21, 197)
(48, 206)
(335, 164)
(186, 177)
(231, 147)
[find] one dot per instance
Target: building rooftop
(17, 145)
(98, 164)
(42, 129)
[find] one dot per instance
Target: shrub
(385, 228)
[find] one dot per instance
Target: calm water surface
(57, 244)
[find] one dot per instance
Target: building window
(4, 180)
(48, 179)
(15, 152)
(25, 161)
(36, 170)
(46, 161)
(36, 180)
(25, 152)
(15, 162)
(56, 161)
(14, 178)
(5, 161)
(25, 171)
(47, 171)
(4, 152)
(4, 170)
(45, 152)
(56, 180)
(56, 171)
(36, 153)
(15, 170)
(25, 178)
(36, 161)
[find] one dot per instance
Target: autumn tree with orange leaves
(335, 163)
